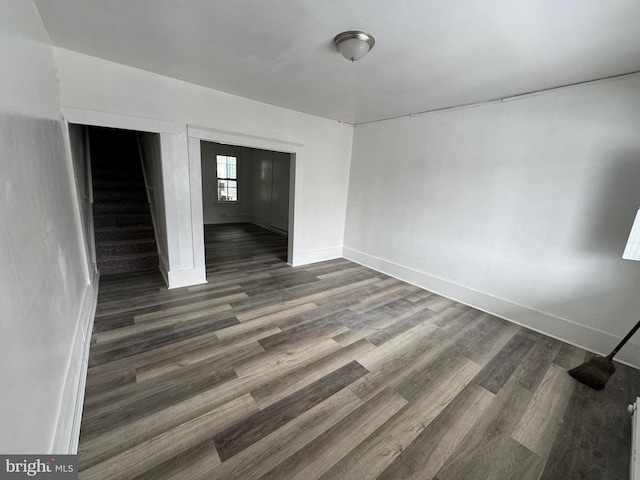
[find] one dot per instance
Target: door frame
(296, 151)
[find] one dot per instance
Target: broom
(596, 371)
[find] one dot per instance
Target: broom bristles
(595, 372)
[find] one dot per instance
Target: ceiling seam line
(495, 100)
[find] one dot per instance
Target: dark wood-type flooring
(332, 371)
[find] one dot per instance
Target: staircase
(124, 236)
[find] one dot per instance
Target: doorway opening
(115, 208)
(247, 200)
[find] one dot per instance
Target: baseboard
(278, 230)
(560, 328)
(67, 435)
(181, 278)
(186, 278)
(227, 219)
(268, 225)
(259, 221)
(314, 256)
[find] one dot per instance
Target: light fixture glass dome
(354, 45)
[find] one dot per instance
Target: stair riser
(117, 208)
(113, 235)
(124, 236)
(121, 220)
(105, 251)
(116, 161)
(109, 176)
(111, 185)
(127, 265)
(119, 196)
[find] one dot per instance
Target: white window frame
(227, 179)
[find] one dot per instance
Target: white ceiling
(429, 54)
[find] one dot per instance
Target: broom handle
(624, 340)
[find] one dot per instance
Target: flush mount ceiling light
(354, 45)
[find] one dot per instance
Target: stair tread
(127, 214)
(128, 256)
(110, 228)
(123, 228)
(117, 187)
(129, 241)
(122, 219)
(137, 203)
(117, 195)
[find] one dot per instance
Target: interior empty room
(317, 240)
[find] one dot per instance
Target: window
(227, 178)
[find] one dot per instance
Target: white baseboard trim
(259, 221)
(67, 435)
(181, 278)
(228, 218)
(560, 328)
(186, 278)
(267, 225)
(314, 256)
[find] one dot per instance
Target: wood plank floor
(332, 371)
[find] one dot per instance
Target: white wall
(182, 206)
(82, 175)
(154, 179)
(270, 182)
(96, 85)
(521, 208)
(261, 180)
(225, 212)
(46, 294)
(263, 183)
